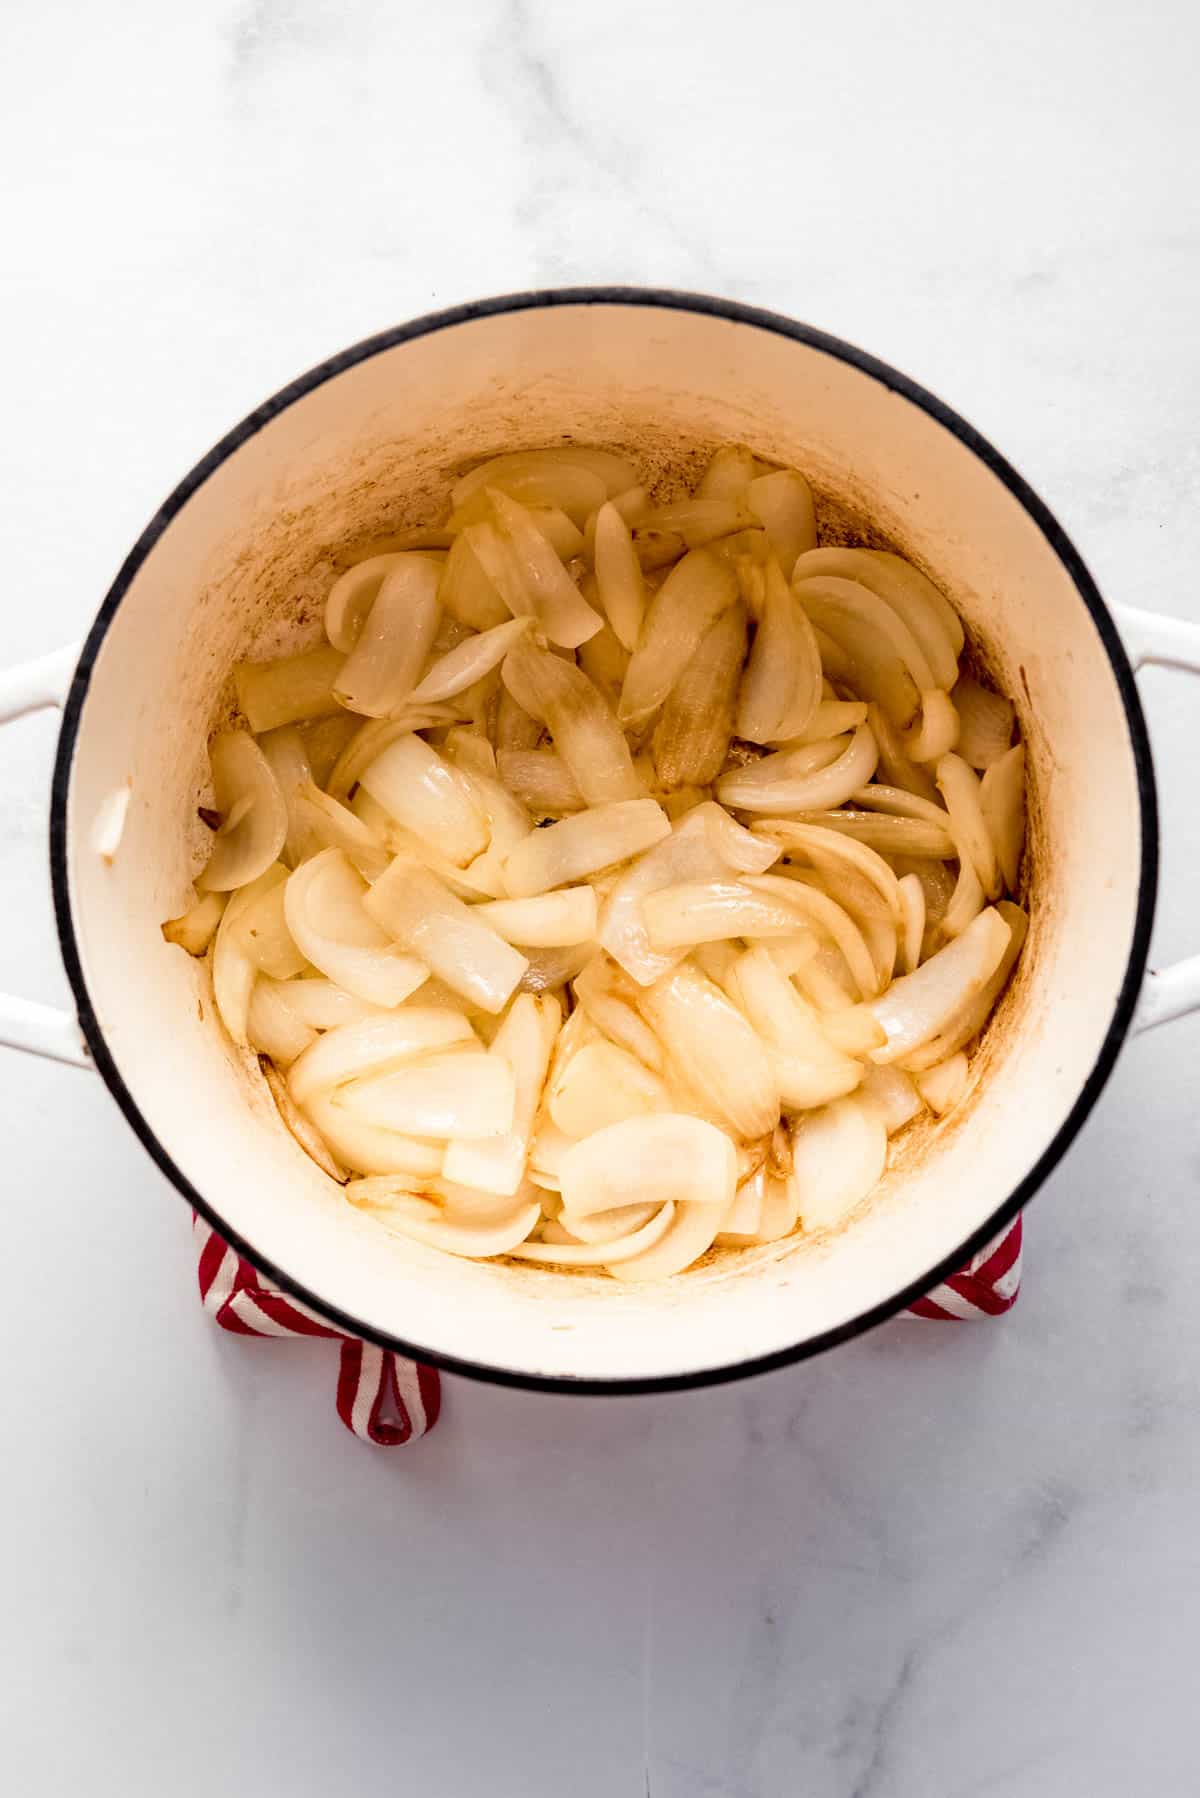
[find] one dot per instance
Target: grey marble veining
(944, 1562)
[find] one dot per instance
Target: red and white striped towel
(387, 1400)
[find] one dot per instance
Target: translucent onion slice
(745, 1214)
(429, 797)
(351, 598)
(838, 1156)
(920, 1005)
(532, 475)
(603, 1084)
(550, 969)
(288, 690)
(524, 1042)
(832, 919)
(372, 737)
(943, 1085)
(324, 740)
(912, 921)
(650, 1159)
(936, 731)
(690, 600)
(515, 729)
(709, 911)
(808, 1069)
(585, 732)
(968, 1022)
(324, 909)
(467, 592)
(1002, 803)
(477, 1237)
(781, 688)
(541, 780)
(966, 901)
(895, 765)
(788, 782)
(548, 921)
(886, 835)
(620, 584)
(870, 663)
(603, 660)
(468, 662)
(563, 614)
(458, 1095)
(261, 928)
(893, 1095)
(608, 999)
(826, 848)
(832, 718)
(692, 736)
(656, 549)
(254, 816)
(576, 847)
(469, 751)
(959, 787)
(564, 537)
(288, 761)
(729, 474)
(986, 722)
(415, 908)
(929, 617)
(707, 1038)
(783, 501)
(233, 970)
(705, 845)
(298, 1125)
(627, 1247)
(273, 1027)
(837, 605)
(195, 929)
(855, 1030)
(692, 1232)
(393, 645)
(321, 1004)
(329, 825)
(375, 1045)
(700, 520)
(370, 1150)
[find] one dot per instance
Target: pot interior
(241, 568)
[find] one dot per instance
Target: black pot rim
(900, 384)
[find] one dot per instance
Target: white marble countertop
(941, 1562)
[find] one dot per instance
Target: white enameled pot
(236, 563)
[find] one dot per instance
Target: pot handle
(1152, 637)
(24, 1024)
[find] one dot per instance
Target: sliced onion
(936, 730)
(287, 690)
(912, 921)
(370, 1150)
(789, 782)
(273, 1027)
(745, 1214)
(893, 1095)
(838, 1156)
(603, 659)
(966, 901)
(603, 1084)
(608, 999)
(300, 1127)
(468, 662)
(375, 1045)
(324, 909)
(548, 921)
(709, 911)
(576, 847)
(233, 970)
(831, 918)
(729, 474)
(428, 796)
(550, 969)
(585, 732)
(691, 738)
(832, 718)
(541, 780)
(562, 612)
(370, 740)
(986, 723)
(351, 598)
(886, 835)
(330, 825)
(536, 476)
(385, 664)
(920, 1005)
(478, 1237)
(943, 1085)
(928, 616)
(649, 1159)
(895, 765)
(261, 928)
(1002, 804)
(620, 583)
(781, 688)
(524, 1042)
(561, 533)
(691, 1233)
(866, 630)
(324, 740)
(467, 592)
(707, 844)
(692, 597)
(415, 908)
(700, 519)
(968, 1022)
(254, 816)
(627, 1247)
(469, 751)
(288, 761)
(855, 1030)
(959, 787)
(708, 1039)
(783, 501)
(195, 929)
(826, 848)
(809, 1070)
(321, 1004)
(461, 1094)
(656, 549)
